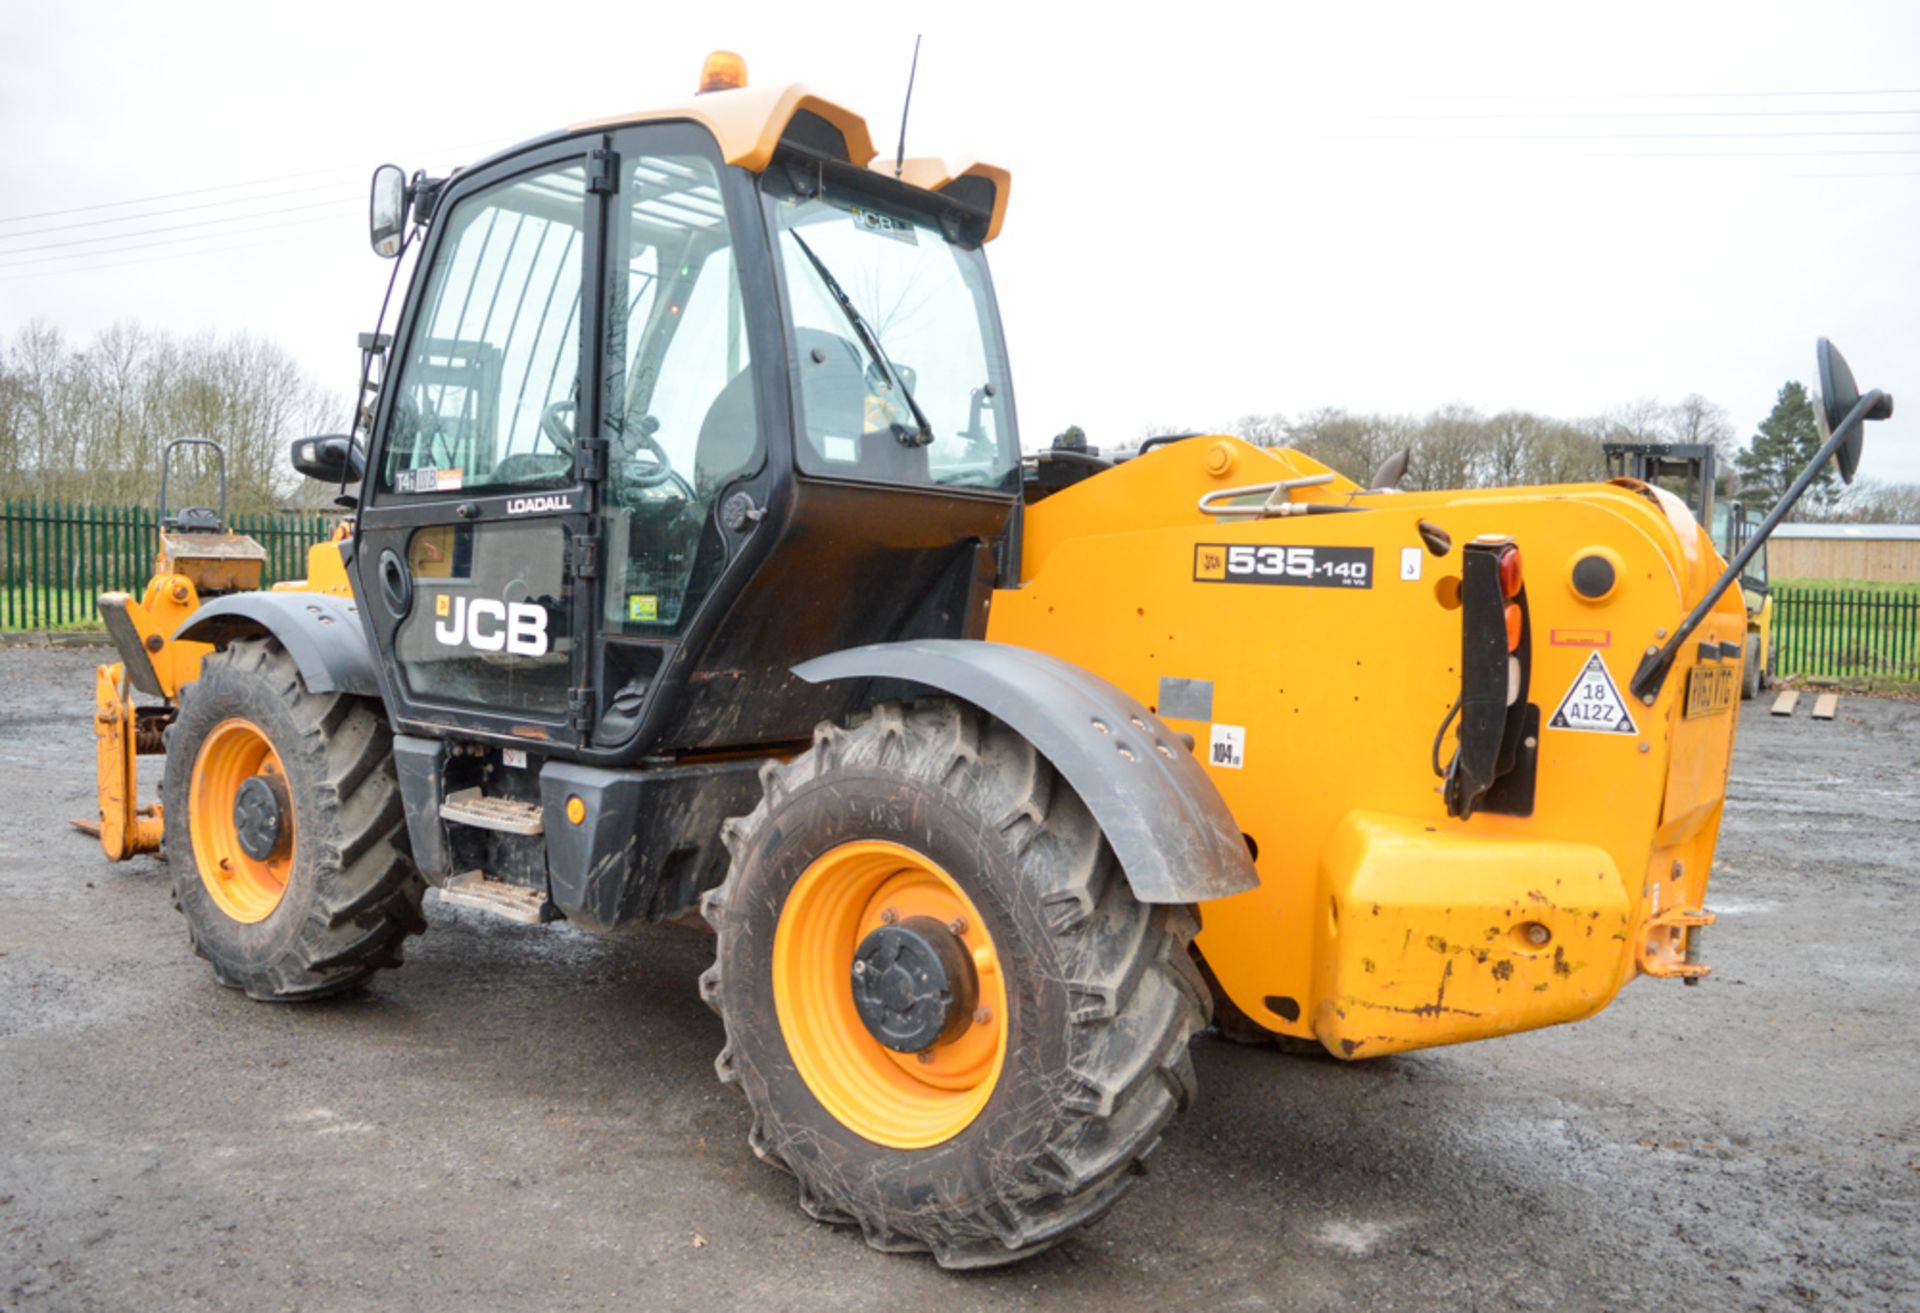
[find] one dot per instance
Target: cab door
(476, 553)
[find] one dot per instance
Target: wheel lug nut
(957, 926)
(981, 1016)
(888, 916)
(925, 1055)
(859, 968)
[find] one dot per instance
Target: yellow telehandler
(696, 565)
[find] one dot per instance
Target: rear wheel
(285, 834)
(952, 1020)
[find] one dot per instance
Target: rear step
(471, 807)
(515, 902)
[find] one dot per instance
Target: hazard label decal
(1594, 703)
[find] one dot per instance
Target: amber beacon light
(723, 71)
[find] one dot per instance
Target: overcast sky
(1216, 210)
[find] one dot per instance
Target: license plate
(1710, 689)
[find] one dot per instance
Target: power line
(167, 241)
(1617, 154)
(175, 227)
(173, 195)
(1617, 136)
(1658, 114)
(177, 209)
(251, 182)
(1643, 95)
(155, 259)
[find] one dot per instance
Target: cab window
(488, 391)
(681, 412)
(922, 297)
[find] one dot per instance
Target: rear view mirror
(387, 211)
(331, 459)
(1839, 394)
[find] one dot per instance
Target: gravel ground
(528, 1119)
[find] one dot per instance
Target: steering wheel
(640, 441)
(560, 433)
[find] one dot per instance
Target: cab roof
(750, 123)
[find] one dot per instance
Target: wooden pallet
(1785, 703)
(1825, 706)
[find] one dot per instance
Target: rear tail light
(1493, 762)
(1511, 581)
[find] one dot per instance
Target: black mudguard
(321, 632)
(1170, 828)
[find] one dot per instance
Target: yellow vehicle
(696, 565)
(196, 558)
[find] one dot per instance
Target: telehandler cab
(696, 566)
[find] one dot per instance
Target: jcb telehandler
(696, 566)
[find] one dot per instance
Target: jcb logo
(489, 626)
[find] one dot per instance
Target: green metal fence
(57, 558)
(1846, 634)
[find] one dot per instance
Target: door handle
(396, 584)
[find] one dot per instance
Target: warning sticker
(1594, 703)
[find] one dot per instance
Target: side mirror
(1839, 394)
(332, 459)
(1392, 470)
(387, 211)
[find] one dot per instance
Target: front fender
(1171, 830)
(321, 632)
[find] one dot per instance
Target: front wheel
(953, 1022)
(1750, 673)
(284, 830)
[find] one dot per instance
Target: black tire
(1750, 670)
(1103, 996)
(352, 893)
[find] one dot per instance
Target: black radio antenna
(900, 156)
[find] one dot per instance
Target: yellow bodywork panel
(327, 569)
(124, 828)
(1315, 705)
(749, 122)
(143, 631)
(1760, 621)
(1435, 938)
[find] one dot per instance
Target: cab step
(515, 902)
(471, 807)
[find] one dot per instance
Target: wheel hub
(914, 985)
(259, 817)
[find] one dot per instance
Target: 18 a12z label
(1303, 567)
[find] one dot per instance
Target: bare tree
(1263, 430)
(91, 424)
(1695, 419)
(1450, 449)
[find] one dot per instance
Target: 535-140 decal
(1303, 567)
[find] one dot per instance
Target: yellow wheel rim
(901, 1100)
(245, 888)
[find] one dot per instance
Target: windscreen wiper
(871, 340)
